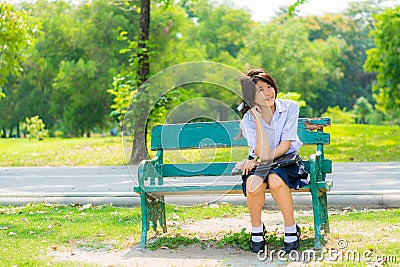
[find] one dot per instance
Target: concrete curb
(336, 199)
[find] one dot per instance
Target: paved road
(362, 184)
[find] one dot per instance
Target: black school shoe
(289, 246)
(258, 246)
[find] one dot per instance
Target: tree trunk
(139, 151)
(11, 132)
(144, 33)
(18, 131)
(4, 132)
(362, 117)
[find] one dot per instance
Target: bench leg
(163, 219)
(156, 212)
(145, 221)
(316, 203)
(324, 209)
(153, 210)
(317, 218)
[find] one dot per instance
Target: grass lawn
(95, 151)
(29, 233)
(349, 143)
(364, 143)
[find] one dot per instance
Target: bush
(338, 115)
(35, 128)
(292, 96)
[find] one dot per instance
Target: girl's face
(265, 94)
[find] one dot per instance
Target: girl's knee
(255, 185)
(275, 182)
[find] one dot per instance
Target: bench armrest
(147, 171)
(150, 169)
(316, 167)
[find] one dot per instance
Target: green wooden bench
(153, 174)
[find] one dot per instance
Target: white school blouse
(283, 126)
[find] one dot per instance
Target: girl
(270, 128)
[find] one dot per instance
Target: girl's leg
(282, 196)
(255, 190)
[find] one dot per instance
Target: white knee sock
(258, 229)
(290, 229)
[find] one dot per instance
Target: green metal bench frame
(151, 173)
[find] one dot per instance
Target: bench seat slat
(198, 169)
(217, 189)
(218, 168)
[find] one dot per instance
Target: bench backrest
(222, 134)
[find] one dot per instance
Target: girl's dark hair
(248, 83)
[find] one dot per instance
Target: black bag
(284, 160)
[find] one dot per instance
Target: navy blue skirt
(294, 175)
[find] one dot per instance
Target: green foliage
(17, 35)
(362, 108)
(126, 83)
(375, 117)
(237, 240)
(299, 64)
(338, 115)
(76, 83)
(352, 27)
(292, 8)
(35, 128)
(71, 66)
(224, 29)
(292, 96)
(384, 59)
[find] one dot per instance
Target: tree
(17, 34)
(384, 59)
(354, 81)
(222, 28)
(362, 108)
(139, 150)
(300, 65)
(70, 33)
(128, 83)
(127, 86)
(74, 87)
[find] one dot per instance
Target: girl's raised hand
(256, 111)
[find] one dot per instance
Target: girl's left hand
(247, 165)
